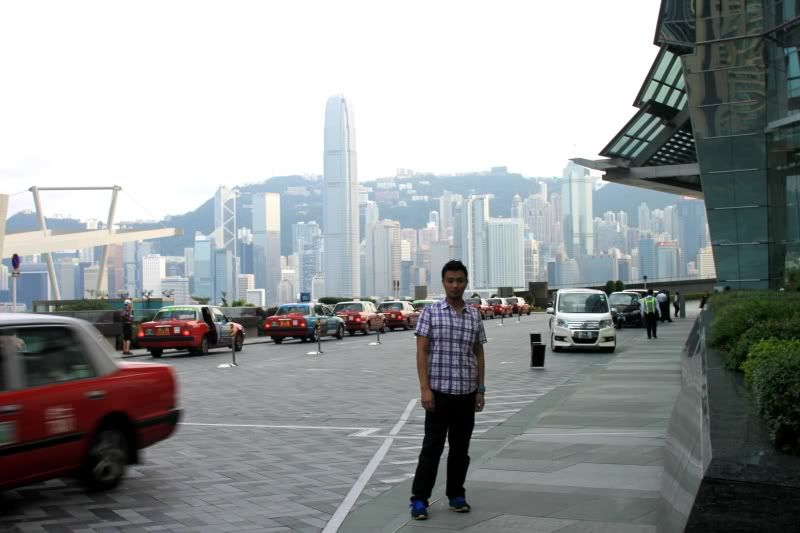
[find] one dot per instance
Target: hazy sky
(170, 99)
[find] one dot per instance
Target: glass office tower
(719, 119)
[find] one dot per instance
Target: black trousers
(664, 308)
(651, 322)
(452, 418)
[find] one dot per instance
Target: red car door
(61, 399)
(10, 411)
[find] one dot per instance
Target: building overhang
(681, 179)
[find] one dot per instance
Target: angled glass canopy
(665, 83)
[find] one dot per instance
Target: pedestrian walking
(676, 302)
(127, 327)
(450, 366)
(648, 307)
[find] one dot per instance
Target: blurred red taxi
(360, 316)
(398, 314)
(193, 327)
(67, 407)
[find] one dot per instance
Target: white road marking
(397, 480)
(338, 517)
(409, 462)
(272, 426)
(513, 403)
(500, 411)
(493, 396)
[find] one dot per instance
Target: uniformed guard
(648, 307)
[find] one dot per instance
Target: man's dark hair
(649, 292)
(454, 266)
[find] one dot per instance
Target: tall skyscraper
(644, 219)
(647, 258)
(267, 244)
(203, 286)
(382, 258)
(340, 201)
(472, 239)
(154, 269)
(307, 244)
(578, 214)
(667, 260)
(506, 256)
(536, 214)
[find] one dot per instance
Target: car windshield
(421, 303)
(394, 306)
(176, 313)
(495, 301)
(348, 307)
(621, 298)
(583, 302)
(293, 310)
(473, 301)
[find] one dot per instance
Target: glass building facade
(719, 119)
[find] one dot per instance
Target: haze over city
(172, 100)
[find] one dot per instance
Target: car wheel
(340, 332)
(351, 332)
(304, 339)
(106, 459)
(406, 325)
(203, 350)
(239, 342)
(156, 352)
(277, 340)
(553, 346)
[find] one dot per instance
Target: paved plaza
(293, 441)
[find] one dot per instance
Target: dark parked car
(625, 309)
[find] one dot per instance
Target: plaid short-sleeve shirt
(452, 364)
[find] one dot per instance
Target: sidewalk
(586, 457)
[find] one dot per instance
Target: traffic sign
(305, 296)
(15, 263)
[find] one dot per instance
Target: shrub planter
(721, 472)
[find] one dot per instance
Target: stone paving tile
(221, 478)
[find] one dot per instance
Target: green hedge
(760, 330)
(775, 378)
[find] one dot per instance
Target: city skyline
(172, 116)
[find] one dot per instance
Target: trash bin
(537, 350)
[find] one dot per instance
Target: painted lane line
(501, 411)
(338, 517)
(271, 426)
(514, 403)
(491, 397)
(409, 462)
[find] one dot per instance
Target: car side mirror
(551, 311)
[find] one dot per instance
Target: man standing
(450, 365)
(127, 327)
(663, 305)
(648, 307)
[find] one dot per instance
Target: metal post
(319, 336)
(14, 277)
(101, 272)
(233, 344)
(379, 335)
(49, 255)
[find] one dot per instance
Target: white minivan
(581, 319)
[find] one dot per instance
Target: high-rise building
(188, 258)
(532, 261)
(225, 218)
(506, 258)
(644, 219)
(67, 273)
(203, 286)
(691, 228)
(90, 275)
(667, 260)
(516, 206)
(441, 253)
(537, 217)
(472, 237)
(154, 269)
(705, 263)
(382, 258)
(33, 284)
(578, 214)
(178, 288)
(647, 258)
(245, 283)
(340, 201)
(224, 277)
(267, 243)
(116, 270)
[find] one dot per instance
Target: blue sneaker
(459, 504)
(419, 509)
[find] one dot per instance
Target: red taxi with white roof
(68, 407)
(194, 327)
(398, 314)
(500, 306)
(360, 316)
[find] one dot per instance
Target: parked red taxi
(193, 327)
(483, 307)
(398, 314)
(67, 407)
(501, 306)
(519, 306)
(360, 316)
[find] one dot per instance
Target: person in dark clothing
(676, 302)
(127, 328)
(703, 300)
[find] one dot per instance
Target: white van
(581, 319)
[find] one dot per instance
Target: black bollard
(537, 350)
(233, 346)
